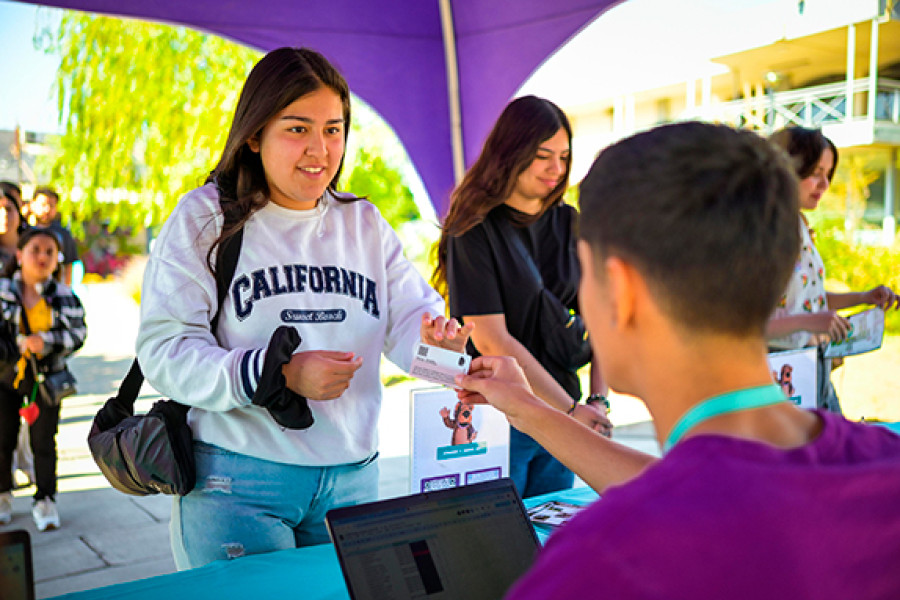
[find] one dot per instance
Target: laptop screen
(468, 542)
(16, 577)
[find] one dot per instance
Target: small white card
(439, 365)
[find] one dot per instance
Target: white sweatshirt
(336, 272)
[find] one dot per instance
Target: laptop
(16, 575)
(468, 542)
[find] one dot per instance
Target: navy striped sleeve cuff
(251, 369)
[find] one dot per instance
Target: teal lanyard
(755, 397)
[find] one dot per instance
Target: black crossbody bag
(153, 453)
(563, 334)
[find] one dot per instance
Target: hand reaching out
(838, 328)
(445, 333)
(321, 374)
(499, 381)
(882, 296)
(827, 323)
(594, 417)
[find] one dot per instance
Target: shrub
(858, 268)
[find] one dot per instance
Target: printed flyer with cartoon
(795, 372)
(454, 443)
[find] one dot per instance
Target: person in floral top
(807, 314)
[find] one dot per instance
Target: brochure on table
(553, 513)
(795, 372)
(453, 443)
(866, 333)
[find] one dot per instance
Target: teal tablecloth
(895, 427)
(312, 572)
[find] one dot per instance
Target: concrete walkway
(108, 537)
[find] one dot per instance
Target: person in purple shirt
(687, 237)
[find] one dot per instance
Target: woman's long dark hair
(805, 147)
(277, 80)
(510, 148)
(23, 223)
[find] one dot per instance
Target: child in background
(55, 318)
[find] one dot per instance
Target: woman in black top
(507, 260)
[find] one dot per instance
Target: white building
(829, 64)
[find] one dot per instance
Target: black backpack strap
(121, 405)
(226, 263)
(131, 385)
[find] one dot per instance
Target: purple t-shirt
(720, 517)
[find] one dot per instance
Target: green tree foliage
(849, 191)
(858, 268)
(382, 185)
(146, 109)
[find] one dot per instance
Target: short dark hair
(805, 148)
(46, 191)
(706, 213)
(32, 232)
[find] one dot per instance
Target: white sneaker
(5, 508)
(45, 515)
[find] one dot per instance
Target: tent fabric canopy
(392, 55)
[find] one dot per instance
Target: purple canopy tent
(438, 71)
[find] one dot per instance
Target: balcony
(821, 106)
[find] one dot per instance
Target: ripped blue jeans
(244, 505)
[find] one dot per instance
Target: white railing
(808, 107)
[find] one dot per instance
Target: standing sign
(453, 443)
(795, 372)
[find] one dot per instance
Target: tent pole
(452, 66)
